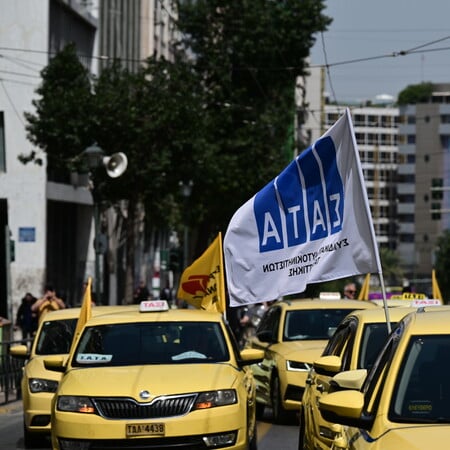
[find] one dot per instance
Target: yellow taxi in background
(38, 385)
(355, 345)
(403, 401)
(155, 378)
(292, 334)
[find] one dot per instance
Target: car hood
(157, 379)
(306, 351)
(416, 437)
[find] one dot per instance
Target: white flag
(311, 224)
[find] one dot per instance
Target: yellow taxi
(292, 334)
(403, 401)
(355, 345)
(155, 378)
(38, 385)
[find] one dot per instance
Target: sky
(375, 30)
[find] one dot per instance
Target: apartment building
(46, 221)
(424, 162)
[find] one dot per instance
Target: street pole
(98, 294)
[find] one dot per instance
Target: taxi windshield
(311, 324)
(55, 337)
(126, 344)
(422, 392)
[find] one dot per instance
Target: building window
(2, 144)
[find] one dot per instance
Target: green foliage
(62, 123)
(443, 263)
(222, 118)
(248, 55)
(415, 93)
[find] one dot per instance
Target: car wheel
(259, 409)
(32, 440)
(280, 415)
(301, 433)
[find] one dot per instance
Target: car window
(375, 380)
(373, 337)
(151, 343)
(310, 324)
(422, 391)
(340, 339)
(270, 323)
(55, 337)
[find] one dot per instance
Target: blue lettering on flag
(334, 186)
(268, 214)
(290, 191)
(320, 183)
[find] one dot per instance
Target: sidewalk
(10, 407)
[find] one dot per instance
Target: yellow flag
(435, 286)
(85, 312)
(365, 289)
(202, 283)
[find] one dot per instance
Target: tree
(248, 55)
(147, 114)
(443, 263)
(415, 93)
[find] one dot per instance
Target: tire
(32, 440)
(260, 407)
(280, 415)
(301, 433)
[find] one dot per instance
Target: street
(270, 436)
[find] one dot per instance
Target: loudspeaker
(116, 164)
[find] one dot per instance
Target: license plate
(145, 429)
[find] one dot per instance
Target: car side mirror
(250, 356)
(345, 408)
(19, 351)
(328, 365)
(56, 363)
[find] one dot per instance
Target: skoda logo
(145, 395)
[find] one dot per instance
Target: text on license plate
(145, 429)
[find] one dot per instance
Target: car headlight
(211, 399)
(42, 385)
(71, 403)
(297, 366)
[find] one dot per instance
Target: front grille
(127, 408)
(177, 443)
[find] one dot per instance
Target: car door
(340, 344)
(266, 335)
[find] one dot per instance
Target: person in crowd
(141, 293)
(49, 302)
(166, 294)
(350, 291)
(26, 319)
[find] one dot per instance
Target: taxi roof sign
(329, 296)
(153, 306)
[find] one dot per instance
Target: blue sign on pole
(27, 234)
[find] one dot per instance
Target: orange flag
(202, 283)
(85, 312)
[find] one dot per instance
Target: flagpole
(223, 299)
(372, 230)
